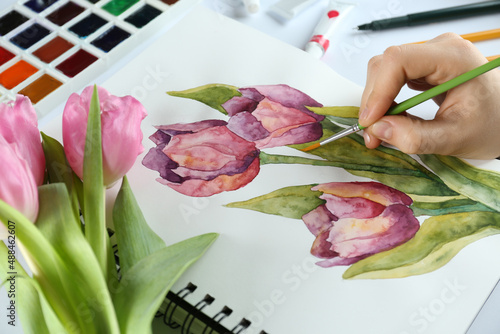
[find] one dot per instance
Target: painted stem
(266, 159)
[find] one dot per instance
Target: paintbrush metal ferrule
(353, 129)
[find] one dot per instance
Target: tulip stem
(284, 159)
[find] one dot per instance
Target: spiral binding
(175, 301)
(210, 325)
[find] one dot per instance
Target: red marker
(320, 41)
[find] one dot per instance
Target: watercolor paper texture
(261, 266)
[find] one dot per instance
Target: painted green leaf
(135, 239)
(346, 115)
(478, 184)
(439, 239)
(446, 207)
(147, 282)
(386, 165)
(291, 202)
(213, 95)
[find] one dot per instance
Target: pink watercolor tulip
(274, 115)
(18, 187)
(121, 133)
(359, 219)
(19, 128)
(202, 159)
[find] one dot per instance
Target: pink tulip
(202, 159)
(359, 219)
(121, 133)
(274, 115)
(17, 183)
(19, 128)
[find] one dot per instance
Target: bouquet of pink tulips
(52, 211)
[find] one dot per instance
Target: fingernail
(367, 138)
(382, 130)
(362, 114)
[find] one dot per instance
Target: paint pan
(52, 48)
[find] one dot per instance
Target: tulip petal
(180, 128)
(355, 207)
(355, 237)
(201, 188)
(247, 126)
(19, 127)
(239, 104)
(322, 248)
(289, 97)
(208, 150)
(373, 191)
(340, 261)
(319, 219)
(18, 188)
(293, 135)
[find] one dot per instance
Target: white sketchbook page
(260, 265)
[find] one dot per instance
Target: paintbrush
(417, 99)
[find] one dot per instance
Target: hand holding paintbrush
(466, 123)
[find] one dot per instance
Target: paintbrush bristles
(310, 148)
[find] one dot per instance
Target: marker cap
(314, 49)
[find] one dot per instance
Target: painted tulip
(359, 219)
(18, 186)
(273, 115)
(120, 126)
(19, 127)
(202, 159)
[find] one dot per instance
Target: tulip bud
(19, 127)
(359, 219)
(202, 159)
(17, 183)
(120, 126)
(274, 115)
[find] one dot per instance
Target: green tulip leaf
(478, 184)
(291, 202)
(59, 170)
(135, 239)
(439, 239)
(94, 213)
(148, 281)
(35, 314)
(83, 280)
(54, 248)
(213, 95)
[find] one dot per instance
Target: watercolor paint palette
(51, 48)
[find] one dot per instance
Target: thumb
(413, 135)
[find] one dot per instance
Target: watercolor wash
(372, 227)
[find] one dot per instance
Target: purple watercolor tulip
(120, 126)
(359, 219)
(202, 159)
(274, 115)
(19, 128)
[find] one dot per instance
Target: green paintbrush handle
(444, 87)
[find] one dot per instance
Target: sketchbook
(248, 182)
